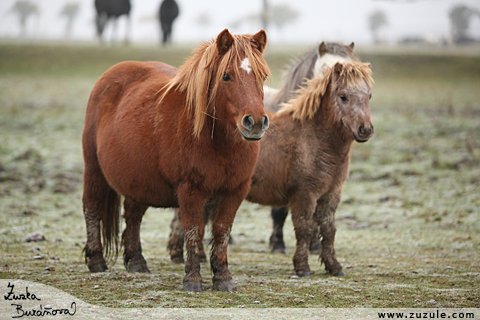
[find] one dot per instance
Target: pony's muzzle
(364, 133)
(252, 130)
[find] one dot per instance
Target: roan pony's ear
(224, 41)
(322, 49)
(337, 70)
(352, 45)
(260, 40)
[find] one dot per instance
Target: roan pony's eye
(343, 97)
(226, 77)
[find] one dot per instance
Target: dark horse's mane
(302, 68)
(196, 74)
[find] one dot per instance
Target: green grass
(408, 227)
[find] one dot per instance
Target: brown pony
(304, 159)
(183, 138)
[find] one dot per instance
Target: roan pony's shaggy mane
(196, 74)
(302, 68)
(307, 100)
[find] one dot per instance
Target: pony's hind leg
(176, 239)
(315, 245)
(133, 258)
(276, 239)
(325, 216)
(100, 204)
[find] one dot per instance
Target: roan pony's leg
(302, 208)
(192, 204)
(133, 258)
(279, 215)
(325, 216)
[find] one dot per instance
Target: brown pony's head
(224, 80)
(348, 104)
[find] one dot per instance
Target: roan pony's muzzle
(364, 133)
(252, 130)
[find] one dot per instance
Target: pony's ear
(260, 40)
(352, 45)
(224, 41)
(322, 49)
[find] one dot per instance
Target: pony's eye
(265, 78)
(226, 77)
(343, 97)
(369, 98)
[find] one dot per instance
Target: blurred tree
(376, 21)
(70, 11)
(24, 9)
(460, 17)
(279, 15)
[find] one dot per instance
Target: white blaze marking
(327, 60)
(245, 65)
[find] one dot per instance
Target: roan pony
(310, 65)
(183, 138)
(304, 159)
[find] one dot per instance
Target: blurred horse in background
(167, 13)
(112, 9)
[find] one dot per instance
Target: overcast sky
(339, 20)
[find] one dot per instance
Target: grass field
(408, 227)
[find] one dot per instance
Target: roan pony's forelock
(307, 100)
(197, 72)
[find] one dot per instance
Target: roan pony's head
(344, 93)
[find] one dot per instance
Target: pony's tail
(111, 226)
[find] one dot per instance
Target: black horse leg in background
(276, 239)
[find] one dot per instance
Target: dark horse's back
(115, 110)
(113, 8)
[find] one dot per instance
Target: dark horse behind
(166, 137)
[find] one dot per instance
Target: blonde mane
(308, 98)
(195, 76)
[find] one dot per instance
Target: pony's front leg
(325, 216)
(192, 204)
(133, 258)
(302, 208)
(222, 220)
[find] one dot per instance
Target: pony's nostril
(265, 123)
(247, 122)
(361, 130)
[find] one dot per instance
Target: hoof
(303, 273)
(339, 274)
(177, 259)
(203, 259)
(192, 287)
(137, 265)
(99, 267)
(279, 250)
(225, 286)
